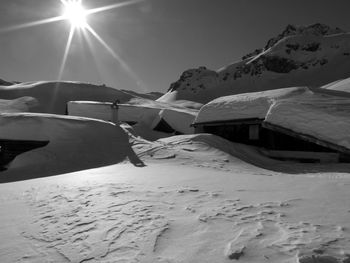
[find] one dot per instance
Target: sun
(75, 13)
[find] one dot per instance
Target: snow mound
(299, 56)
(74, 144)
(244, 106)
(22, 104)
(315, 115)
(307, 111)
(53, 96)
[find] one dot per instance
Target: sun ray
(81, 24)
(32, 24)
(93, 52)
(66, 52)
(113, 6)
(115, 56)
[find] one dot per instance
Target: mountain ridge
(299, 56)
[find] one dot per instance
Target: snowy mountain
(300, 56)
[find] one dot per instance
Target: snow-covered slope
(192, 202)
(300, 56)
(341, 85)
(53, 96)
(74, 144)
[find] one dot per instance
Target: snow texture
(74, 144)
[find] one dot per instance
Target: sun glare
(75, 13)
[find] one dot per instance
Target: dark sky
(158, 39)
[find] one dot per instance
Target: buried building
(306, 124)
(156, 117)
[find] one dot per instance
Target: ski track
(124, 223)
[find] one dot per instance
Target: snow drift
(52, 97)
(74, 144)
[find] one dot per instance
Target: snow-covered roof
(318, 113)
(146, 112)
(244, 106)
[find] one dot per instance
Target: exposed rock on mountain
(5, 83)
(300, 56)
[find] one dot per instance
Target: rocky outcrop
(5, 83)
(317, 29)
(304, 55)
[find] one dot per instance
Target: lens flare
(75, 13)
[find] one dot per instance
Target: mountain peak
(317, 29)
(310, 55)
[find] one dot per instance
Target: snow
(104, 111)
(244, 106)
(22, 104)
(196, 204)
(313, 112)
(179, 121)
(74, 144)
(340, 85)
(137, 113)
(91, 109)
(268, 69)
(146, 113)
(104, 192)
(188, 198)
(318, 115)
(53, 97)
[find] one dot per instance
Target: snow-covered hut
(291, 123)
(157, 117)
(106, 111)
